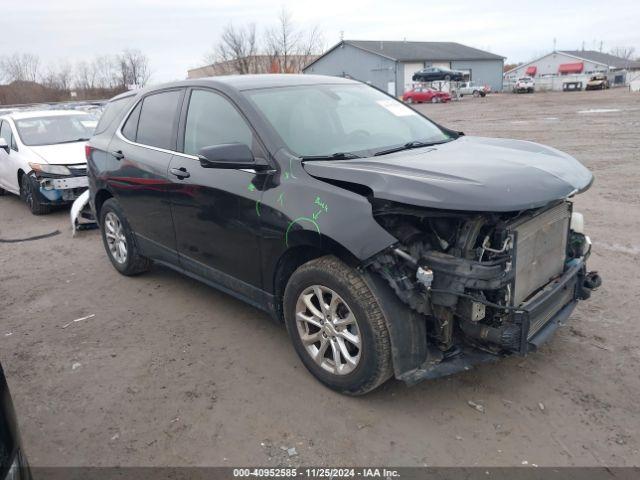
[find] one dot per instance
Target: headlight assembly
(52, 169)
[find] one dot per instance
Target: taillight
(87, 152)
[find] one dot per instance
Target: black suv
(389, 245)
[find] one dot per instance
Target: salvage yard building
(551, 70)
(389, 65)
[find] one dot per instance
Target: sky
(177, 34)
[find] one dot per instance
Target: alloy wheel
(328, 330)
(116, 239)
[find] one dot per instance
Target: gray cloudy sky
(176, 34)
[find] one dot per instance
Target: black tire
(447, 78)
(2, 192)
(483, 94)
(134, 263)
(476, 93)
(29, 193)
(374, 366)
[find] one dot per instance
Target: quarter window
(157, 119)
(212, 120)
(130, 128)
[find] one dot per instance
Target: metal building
(389, 65)
(574, 64)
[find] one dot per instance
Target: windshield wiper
(409, 146)
(83, 139)
(333, 156)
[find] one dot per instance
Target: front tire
(337, 327)
(29, 193)
(119, 241)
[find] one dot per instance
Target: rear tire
(409, 100)
(29, 193)
(119, 240)
(322, 332)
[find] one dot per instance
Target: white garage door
(409, 69)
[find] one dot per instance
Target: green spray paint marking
(318, 201)
(251, 187)
(298, 220)
(281, 198)
(258, 207)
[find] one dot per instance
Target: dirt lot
(171, 372)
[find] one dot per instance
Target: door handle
(118, 155)
(180, 172)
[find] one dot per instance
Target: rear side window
(212, 120)
(157, 119)
(130, 128)
(111, 111)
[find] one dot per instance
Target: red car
(425, 94)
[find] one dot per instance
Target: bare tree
(59, 77)
(21, 67)
(133, 68)
(236, 51)
(86, 75)
(290, 47)
(623, 52)
(106, 72)
(283, 41)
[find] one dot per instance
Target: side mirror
(228, 155)
(4, 145)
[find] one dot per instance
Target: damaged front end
(60, 184)
(485, 285)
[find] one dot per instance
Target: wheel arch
(100, 197)
(303, 248)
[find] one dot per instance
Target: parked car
(42, 156)
(13, 461)
(524, 85)
(425, 94)
(432, 74)
(472, 88)
(387, 244)
(598, 82)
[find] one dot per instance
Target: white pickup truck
(472, 88)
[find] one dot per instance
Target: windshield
(55, 129)
(322, 120)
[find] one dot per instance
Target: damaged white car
(42, 157)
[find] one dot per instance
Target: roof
(21, 115)
(252, 82)
(604, 58)
(417, 51)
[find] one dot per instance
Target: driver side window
(213, 120)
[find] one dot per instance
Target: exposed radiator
(541, 244)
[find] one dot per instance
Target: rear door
(216, 212)
(142, 151)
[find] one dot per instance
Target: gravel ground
(171, 372)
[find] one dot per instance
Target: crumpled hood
(470, 173)
(62, 154)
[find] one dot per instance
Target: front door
(142, 150)
(216, 212)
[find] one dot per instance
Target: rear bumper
(538, 319)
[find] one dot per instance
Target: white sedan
(42, 156)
